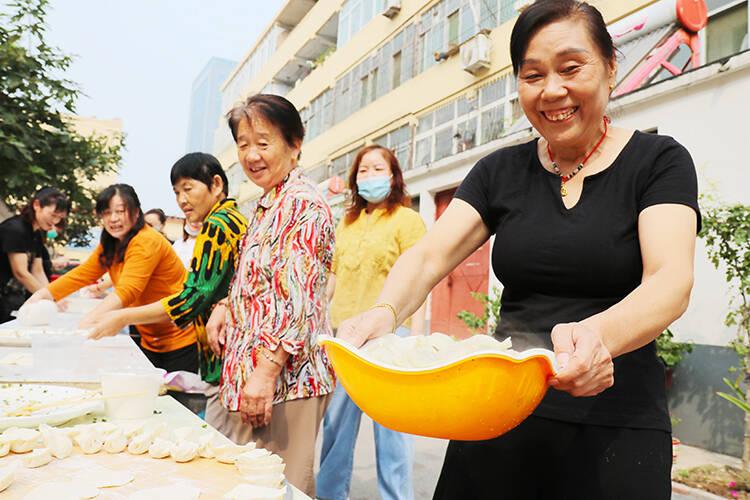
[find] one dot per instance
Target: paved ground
(429, 459)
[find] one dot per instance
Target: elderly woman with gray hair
(275, 379)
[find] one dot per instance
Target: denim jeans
(394, 454)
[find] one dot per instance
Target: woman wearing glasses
(143, 267)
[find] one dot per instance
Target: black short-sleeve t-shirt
(17, 236)
(560, 265)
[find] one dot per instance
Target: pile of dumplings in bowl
(431, 351)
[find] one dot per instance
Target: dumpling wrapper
(62, 491)
(251, 492)
(101, 477)
(183, 492)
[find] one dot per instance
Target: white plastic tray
(13, 396)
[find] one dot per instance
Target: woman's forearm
(418, 320)
(110, 303)
(143, 315)
(29, 281)
(641, 316)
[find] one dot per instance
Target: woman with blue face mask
(378, 227)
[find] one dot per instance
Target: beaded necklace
(566, 178)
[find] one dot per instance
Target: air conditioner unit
(475, 54)
(392, 8)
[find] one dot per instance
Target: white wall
(709, 116)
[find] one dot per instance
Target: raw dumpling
(21, 440)
(206, 446)
(160, 448)
(184, 434)
(105, 428)
(130, 429)
(140, 443)
(37, 458)
(4, 447)
(89, 441)
(260, 458)
(184, 451)
(57, 441)
(251, 492)
(261, 469)
(267, 480)
(227, 454)
(116, 442)
(485, 343)
(7, 476)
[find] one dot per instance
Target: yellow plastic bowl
(480, 396)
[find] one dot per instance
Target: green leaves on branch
(670, 352)
(490, 312)
(737, 397)
(38, 145)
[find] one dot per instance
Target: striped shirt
(277, 294)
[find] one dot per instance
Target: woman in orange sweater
(144, 268)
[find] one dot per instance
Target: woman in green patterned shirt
(200, 186)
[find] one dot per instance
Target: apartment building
(432, 80)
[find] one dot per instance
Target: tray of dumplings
(29, 405)
(136, 460)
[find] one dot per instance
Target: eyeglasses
(108, 214)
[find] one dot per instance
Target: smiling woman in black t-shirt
(21, 248)
(595, 236)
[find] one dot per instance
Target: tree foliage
(490, 317)
(670, 352)
(726, 231)
(38, 145)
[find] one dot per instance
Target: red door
(453, 293)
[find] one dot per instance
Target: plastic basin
(131, 394)
(479, 396)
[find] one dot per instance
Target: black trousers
(550, 459)
(184, 358)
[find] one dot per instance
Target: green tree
(726, 231)
(38, 145)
